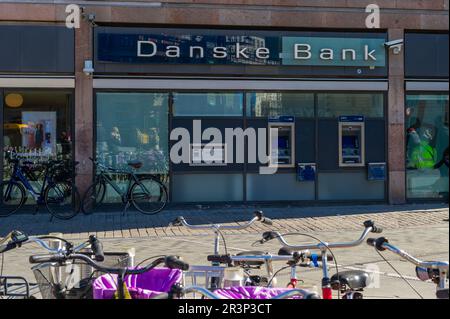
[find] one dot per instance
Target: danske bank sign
(257, 49)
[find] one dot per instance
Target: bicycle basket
(73, 280)
(62, 174)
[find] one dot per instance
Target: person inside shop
(65, 143)
(39, 135)
(424, 154)
(412, 140)
(115, 138)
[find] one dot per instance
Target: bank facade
(361, 114)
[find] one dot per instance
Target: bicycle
(304, 259)
(70, 280)
(146, 193)
(351, 283)
(436, 271)
(57, 191)
(170, 262)
(215, 271)
(13, 287)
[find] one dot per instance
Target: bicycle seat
(353, 279)
(135, 164)
(252, 253)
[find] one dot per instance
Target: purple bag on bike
(249, 292)
(143, 286)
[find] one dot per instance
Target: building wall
(396, 17)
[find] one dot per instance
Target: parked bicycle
(65, 280)
(122, 290)
(436, 271)
(146, 193)
(13, 287)
(350, 283)
(57, 190)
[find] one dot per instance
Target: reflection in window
(133, 126)
(278, 103)
(36, 126)
(337, 104)
(207, 104)
(427, 154)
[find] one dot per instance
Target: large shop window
(338, 104)
(133, 126)
(208, 104)
(37, 125)
(427, 156)
(265, 104)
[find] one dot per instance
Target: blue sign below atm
(351, 118)
(282, 119)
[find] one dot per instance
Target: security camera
(394, 45)
(88, 68)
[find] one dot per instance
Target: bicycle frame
(131, 177)
(19, 176)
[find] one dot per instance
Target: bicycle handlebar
(382, 244)
(170, 262)
(259, 216)
(369, 227)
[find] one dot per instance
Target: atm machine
(351, 141)
(282, 141)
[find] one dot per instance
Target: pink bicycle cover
(249, 292)
(143, 286)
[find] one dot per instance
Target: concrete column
(84, 128)
(396, 123)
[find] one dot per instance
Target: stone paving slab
(286, 219)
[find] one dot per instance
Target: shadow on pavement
(111, 218)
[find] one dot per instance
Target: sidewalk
(288, 218)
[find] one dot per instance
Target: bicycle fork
(327, 292)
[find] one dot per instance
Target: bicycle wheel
(12, 198)
(62, 200)
(149, 196)
(93, 197)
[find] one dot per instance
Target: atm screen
(350, 142)
(283, 142)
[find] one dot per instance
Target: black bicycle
(57, 190)
(146, 193)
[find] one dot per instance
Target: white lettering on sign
(368, 54)
(326, 54)
(302, 51)
(173, 51)
(220, 52)
(345, 53)
(241, 51)
(147, 55)
(262, 53)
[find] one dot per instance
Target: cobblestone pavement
(430, 242)
(422, 230)
(135, 225)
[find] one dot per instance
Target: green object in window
(424, 156)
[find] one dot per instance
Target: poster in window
(40, 131)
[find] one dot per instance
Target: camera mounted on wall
(394, 45)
